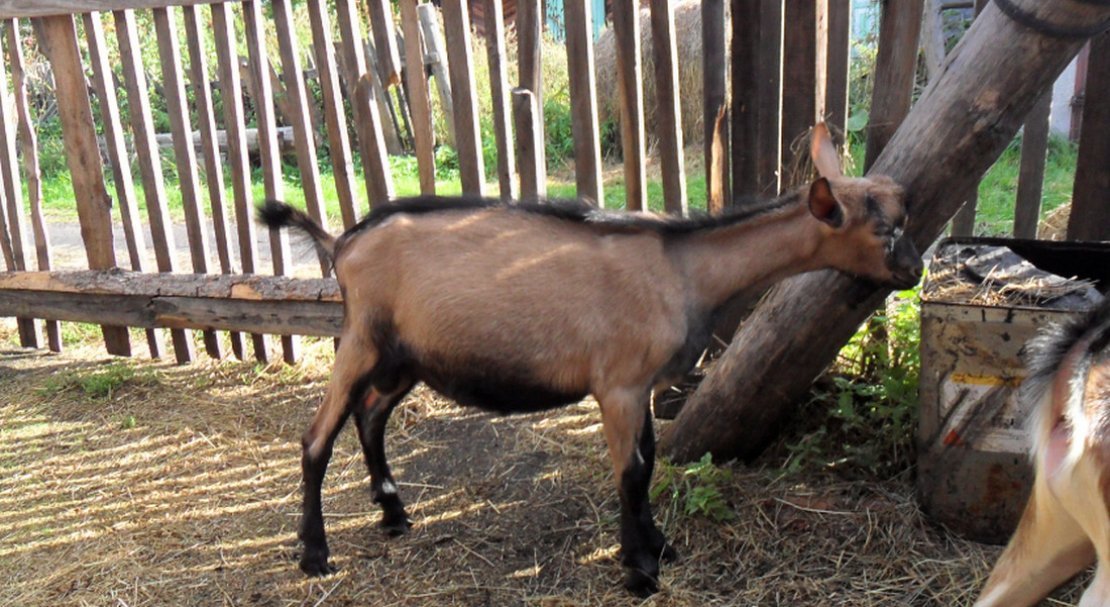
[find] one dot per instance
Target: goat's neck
(720, 262)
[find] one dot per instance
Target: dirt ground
(181, 487)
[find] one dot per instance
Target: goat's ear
(823, 152)
(824, 205)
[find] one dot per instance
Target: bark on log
(962, 123)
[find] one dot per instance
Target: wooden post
(626, 29)
(669, 117)
(1090, 212)
(385, 42)
(13, 196)
(499, 94)
(58, 37)
(805, 44)
(895, 67)
(468, 135)
(437, 58)
(746, 116)
(28, 143)
(583, 101)
(368, 121)
(715, 111)
(529, 120)
(210, 153)
(963, 223)
(769, 101)
(950, 137)
(231, 89)
(420, 102)
(150, 164)
(1034, 149)
(391, 131)
(839, 53)
(169, 51)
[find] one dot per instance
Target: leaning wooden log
(233, 302)
(964, 120)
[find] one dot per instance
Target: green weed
(100, 384)
(694, 490)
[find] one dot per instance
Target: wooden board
(42, 8)
(58, 38)
(668, 122)
(769, 101)
(528, 98)
(583, 101)
(1090, 213)
(803, 76)
(436, 58)
(626, 29)
(895, 66)
(714, 109)
(468, 135)
(385, 42)
(746, 68)
(839, 62)
(1034, 150)
(499, 95)
(420, 101)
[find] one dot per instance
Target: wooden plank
(231, 92)
(368, 121)
(669, 114)
(769, 100)
(839, 60)
(528, 123)
(436, 57)
(583, 101)
(803, 75)
(28, 144)
(1034, 150)
(420, 101)
(499, 94)
(335, 117)
(258, 70)
(58, 38)
(213, 166)
(150, 164)
(963, 222)
(246, 287)
(1090, 212)
(746, 66)
(173, 87)
(468, 135)
(714, 108)
(385, 42)
(302, 127)
(895, 67)
(626, 29)
(11, 9)
(391, 131)
(13, 196)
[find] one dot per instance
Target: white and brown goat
(1066, 523)
(525, 307)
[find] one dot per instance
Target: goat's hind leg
(371, 419)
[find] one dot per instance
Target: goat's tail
(276, 214)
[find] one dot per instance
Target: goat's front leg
(371, 419)
(631, 441)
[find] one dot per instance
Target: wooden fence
(783, 80)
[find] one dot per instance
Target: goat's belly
(503, 395)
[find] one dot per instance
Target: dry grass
(182, 489)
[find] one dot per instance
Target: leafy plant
(694, 489)
(98, 385)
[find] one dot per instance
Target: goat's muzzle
(905, 264)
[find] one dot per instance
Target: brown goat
(524, 307)
(1066, 524)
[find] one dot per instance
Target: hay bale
(687, 17)
(1055, 225)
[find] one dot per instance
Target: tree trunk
(969, 113)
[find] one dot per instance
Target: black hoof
(315, 563)
(669, 554)
(395, 524)
(640, 583)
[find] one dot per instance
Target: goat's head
(864, 219)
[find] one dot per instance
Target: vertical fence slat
(438, 60)
(626, 29)
(895, 67)
(769, 100)
(420, 101)
(368, 121)
(381, 23)
(231, 93)
(583, 101)
(963, 223)
(528, 98)
(118, 158)
(499, 93)
(210, 152)
(303, 138)
(746, 65)
(839, 53)
(391, 131)
(468, 136)
(1034, 150)
(58, 37)
(714, 68)
(1090, 213)
(13, 195)
(28, 143)
(150, 164)
(669, 116)
(803, 75)
(339, 146)
(258, 74)
(169, 51)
